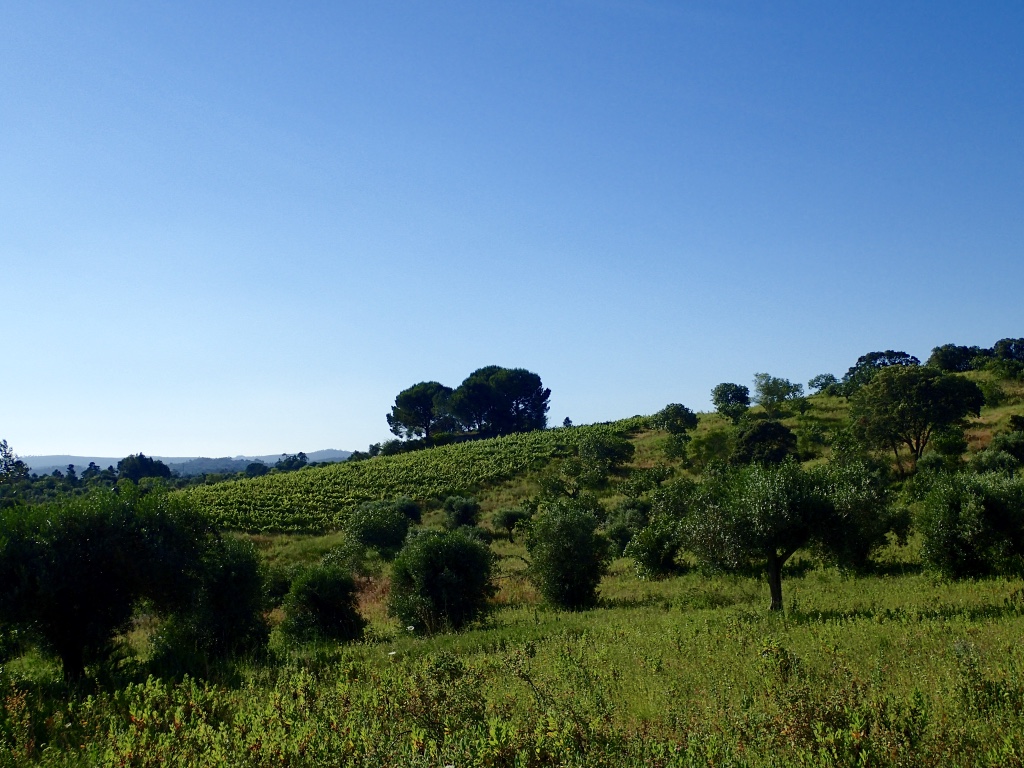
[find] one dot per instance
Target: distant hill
(180, 465)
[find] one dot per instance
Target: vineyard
(317, 499)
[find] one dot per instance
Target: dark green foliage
(868, 366)
(645, 479)
(138, 466)
(626, 521)
(499, 401)
(460, 511)
(822, 382)
(953, 358)
(675, 419)
(757, 517)
(291, 462)
(731, 400)
(441, 581)
(74, 571)
(599, 456)
(321, 605)
(225, 618)
(409, 508)
(772, 393)
(1009, 349)
(906, 405)
(763, 442)
(973, 525)
(711, 447)
(379, 525)
(568, 556)
(418, 409)
(654, 549)
(256, 469)
(507, 519)
(1011, 443)
(994, 460)
(1016, 423)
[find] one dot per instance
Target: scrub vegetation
(824, 579)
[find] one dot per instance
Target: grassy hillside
(318, 498)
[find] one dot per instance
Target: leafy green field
(875, 671)
(317, 499)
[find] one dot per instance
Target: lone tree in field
(731, 400)
(757, 517)
(907, 405)
(418, 409)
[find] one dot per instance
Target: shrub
(1011, 443)
(321, 604)
(441, 580)
(508, 519)
(973, 525)
(764, 442)
(460, 511)
(226, 617)
(654, 549)
(625, 521)
(379, 525)
(568, 556)
(74, 571)
(994, 460)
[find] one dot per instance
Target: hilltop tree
(499, 401)
(954, 358)
(731, 400)
(907, 405)
(772, 392)
(418, 409)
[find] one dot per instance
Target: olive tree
(568, 556)
(73, 571)
(758, 516)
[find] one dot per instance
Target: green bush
(225, 619)
(507, 519)
(625, 521)
(321, 605)
(568, 556)
(1011, 443)
(994, 460)
(379, 525)
(440, 581)
(654, 550)
(460, 511)
(75, 570)
(973, 525)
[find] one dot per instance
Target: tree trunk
(775, 564)
(72, 659)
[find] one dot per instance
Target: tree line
(490, 402)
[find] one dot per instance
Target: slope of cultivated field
(317, 499)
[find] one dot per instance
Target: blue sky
(245, 229)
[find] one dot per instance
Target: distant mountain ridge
(180, 465)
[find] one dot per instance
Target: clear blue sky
(245, 227)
